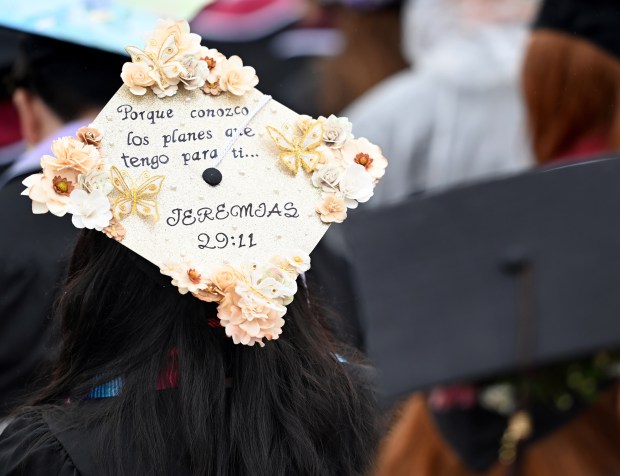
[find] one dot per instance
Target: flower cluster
(74, 180)
(349, 168)
(174, 56)
(251, 300)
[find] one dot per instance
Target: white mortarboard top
(224, 189)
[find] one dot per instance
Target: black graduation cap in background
(597, 21)
(491, 277)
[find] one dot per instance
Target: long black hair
(291, 407)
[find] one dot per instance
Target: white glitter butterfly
(162, 67)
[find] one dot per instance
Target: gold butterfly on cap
(140, 198)
(161, 66)
(299, 151)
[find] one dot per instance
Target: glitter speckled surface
(257, 177)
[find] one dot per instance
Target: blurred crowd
(456, 93)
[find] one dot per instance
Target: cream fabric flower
(336, 131)
(328, 177)
(90, 210)
(356, 185)
(366, 154)
(236, 78)
(71, 157)
(333, 209)
(187, 42)
(218, 285)
(168, 91)
(40, 189)
(294, 263)
(136, 77)
(304, 122)
(185, 277)
(96, 180)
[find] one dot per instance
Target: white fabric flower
(356, 185)
(328, 177)
(336, 131)
(185, 277)
(169, 91)
(198, 72)
(90, 210)
(278, 284)
(96, 180)
(500, 398)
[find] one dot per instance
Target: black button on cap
(212, 176)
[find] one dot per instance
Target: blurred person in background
(456, 112)
(370, 50)
(11, 145)
(570, 78)
(456, 115)
(277, 38)
(571, 82)
(57, 88)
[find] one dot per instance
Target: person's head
(572, 92)
(289, 408)
(55, 82)
(571, 79)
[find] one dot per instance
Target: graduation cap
(490, 283)
(108, 25)
(597, 21)
(223, 189)
(492, 277)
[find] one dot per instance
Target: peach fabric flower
(249, 317)
(71, 158)
(40, 189)
(115, 230)
(90, 136)
(236, 78)
(333, 209)
(362, 152)
(136, 77)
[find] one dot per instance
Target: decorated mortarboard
(221, 187)
(597, 21)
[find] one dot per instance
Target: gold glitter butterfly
(161, 67)
(301, 151)
(140, 198)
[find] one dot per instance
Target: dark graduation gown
(40, 442)
(34, 252)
